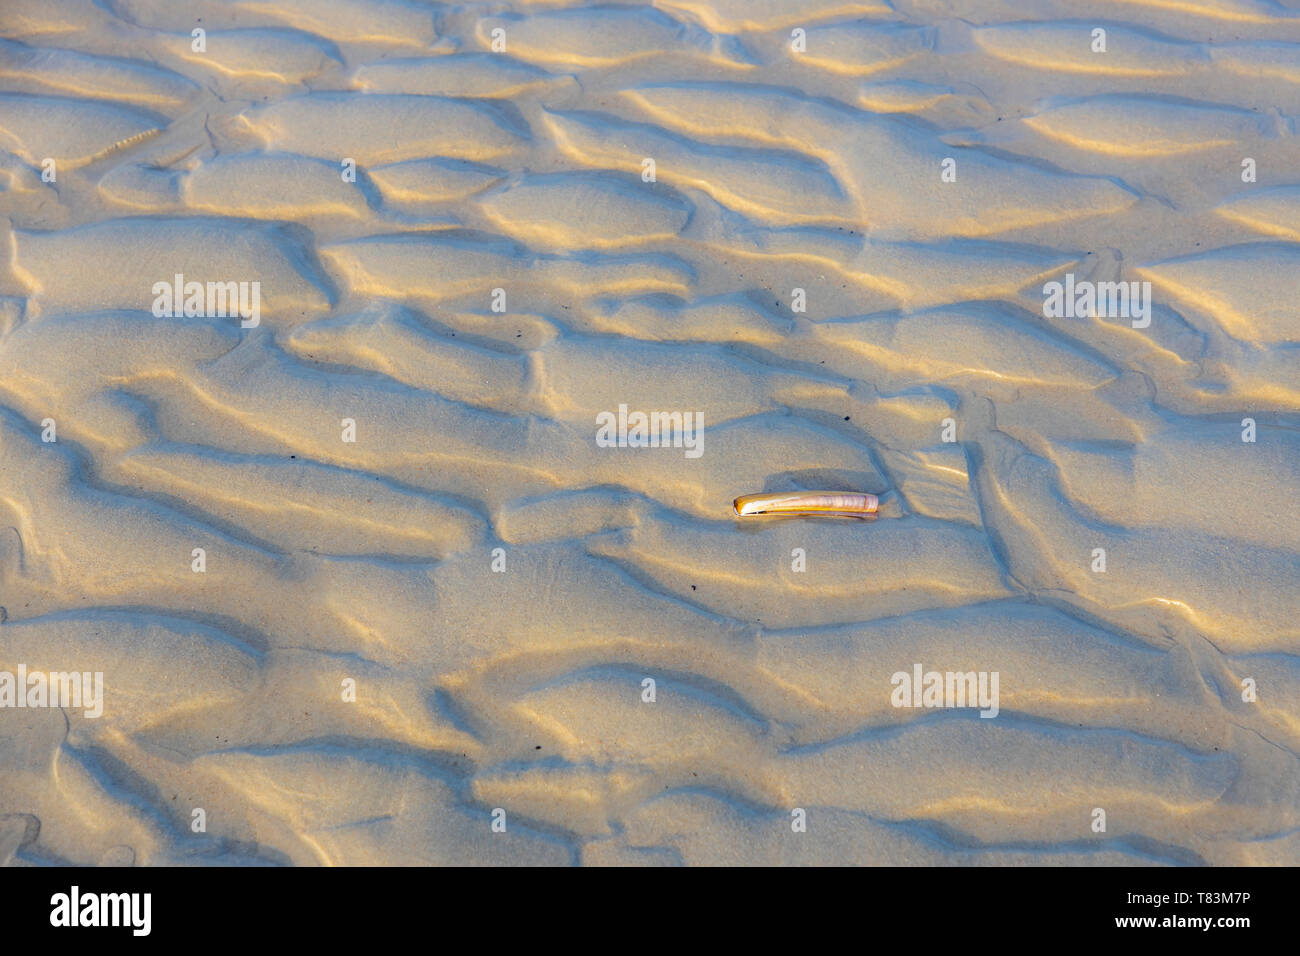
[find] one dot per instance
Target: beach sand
(365, 585)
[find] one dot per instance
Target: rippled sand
(432, 643)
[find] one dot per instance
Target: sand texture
(365, 588)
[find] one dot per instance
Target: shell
(850, 504)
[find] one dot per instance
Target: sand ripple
(823, 225)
